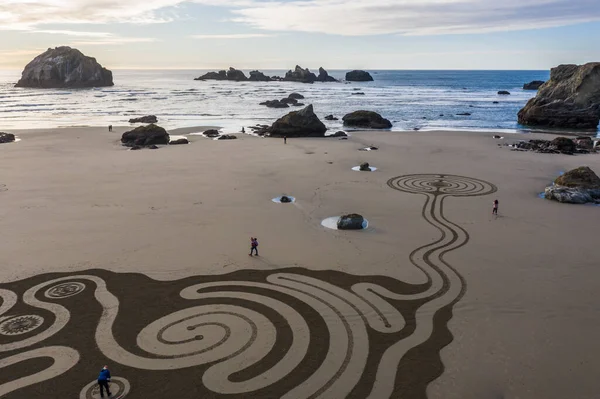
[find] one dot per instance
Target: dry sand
(527, 326)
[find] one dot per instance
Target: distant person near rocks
(253, 245)
(495, 208)
(284, 139)
(110, 128)
(243, 130)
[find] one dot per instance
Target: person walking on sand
(103, 380)
(495, 208)
(284, 139)
(253, 245)
(110, 128)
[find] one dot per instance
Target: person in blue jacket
(103, 380)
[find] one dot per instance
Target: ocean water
(410, 99)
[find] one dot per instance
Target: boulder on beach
(324, 76)
(300, 75)
(63, 67)
(231, 74)
(296, 96)
(257, 76)
(303, 123)
(359, 76)
(352, 221)
(179, 141)
(339, 133)
(570, 99)
(285, 199)
(534, 85)
(577, 186)
(367, 120)
(227, 137)
(6, 138)
(211, 133)
(584, 142)
(144, 136)
(559, 145)
(365, 167)
(144, 119)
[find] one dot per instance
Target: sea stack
(359, 76)
(64, 67)
(570, 99)
(303, 123)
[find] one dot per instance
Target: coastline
(76, 200)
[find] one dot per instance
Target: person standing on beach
(495, 208)
(253, 245)
(110, 128)
(243, 130)
(103, 380)
(284, 139)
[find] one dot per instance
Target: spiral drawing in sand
(290, 333)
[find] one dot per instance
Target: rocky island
(359, 76)
(232, 74)
(570, 99)
(63, 67)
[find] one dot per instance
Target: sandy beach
(525, 319)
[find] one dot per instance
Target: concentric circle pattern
(64, 290)
(441, 184)
(20, 324)
(119, 388)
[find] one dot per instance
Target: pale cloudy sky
(373, 34)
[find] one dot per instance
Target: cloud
(233, 36)
(415, 17)
(338, 17)
(74, 33)
(113, 41)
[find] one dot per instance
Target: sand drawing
(290, 333)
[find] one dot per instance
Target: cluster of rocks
(366, 120)
(359, 76)
(232, 74)
(144, 119)
(352, 221)
(6, 138)
(560, 145)
(533, 85)
(215, 134)
(63, 67)
(577, 186)
(148, 136)
(570, 99)
(292, 99)
(298, 74)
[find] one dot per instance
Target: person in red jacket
(253, 245)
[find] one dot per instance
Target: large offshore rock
(533, 85)
(257, 76)
(577, 186)
(145, 136)
(300, 75)
(570, 99)
(367, 120)
(303, 123)
(324, 76)
(231, 74)
(359, 76)
(64, 67)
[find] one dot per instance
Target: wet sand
(525, 311)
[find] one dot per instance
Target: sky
(335, 34)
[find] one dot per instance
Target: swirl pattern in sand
(290, 333)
